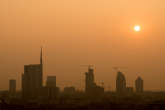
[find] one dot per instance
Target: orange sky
(77, 32)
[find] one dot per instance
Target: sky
(81, 32)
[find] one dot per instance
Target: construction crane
(89, 66)
(118, 68)
(102, 84)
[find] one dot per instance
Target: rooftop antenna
(41, 57)
(89, 66)
(118, 68)
(102, 84)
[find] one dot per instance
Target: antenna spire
(41, 57)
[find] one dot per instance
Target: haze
(78, 32)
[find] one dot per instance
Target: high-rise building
(12, 87)
(90, 86)
(51, 81)
(51, 90)
(120, 83)
(89, 80)
(139, 85)
(32, 79)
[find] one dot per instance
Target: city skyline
(117, 71)
(33, 91)
(32, 80)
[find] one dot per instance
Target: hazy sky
(78, 32)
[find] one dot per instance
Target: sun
(137, 28)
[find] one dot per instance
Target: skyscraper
(32, 79)
(139, 85)
(90, 86)
(120, 83)
(12, 87)
(89, 80)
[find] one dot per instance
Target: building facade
(89, 80)
(12, 87)
(139, 85)
(90, 86)
(120, 83)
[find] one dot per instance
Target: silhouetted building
(50, 91)
(12, 87)
(139, 85)
(90, 86)
(69, 90)
(32, 79)
(89, 80)
(51, 81)
(120, 83)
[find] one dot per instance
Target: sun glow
(137, 28)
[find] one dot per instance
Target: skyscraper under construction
(120, 83)
(90, 86)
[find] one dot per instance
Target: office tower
(139, 85)
(50, 91)
(120, 83)
(89, 80)
(51, 81)
(32, 79)
(90, 86)
(12, 87)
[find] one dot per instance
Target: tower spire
(41, 65)
(41, 57)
